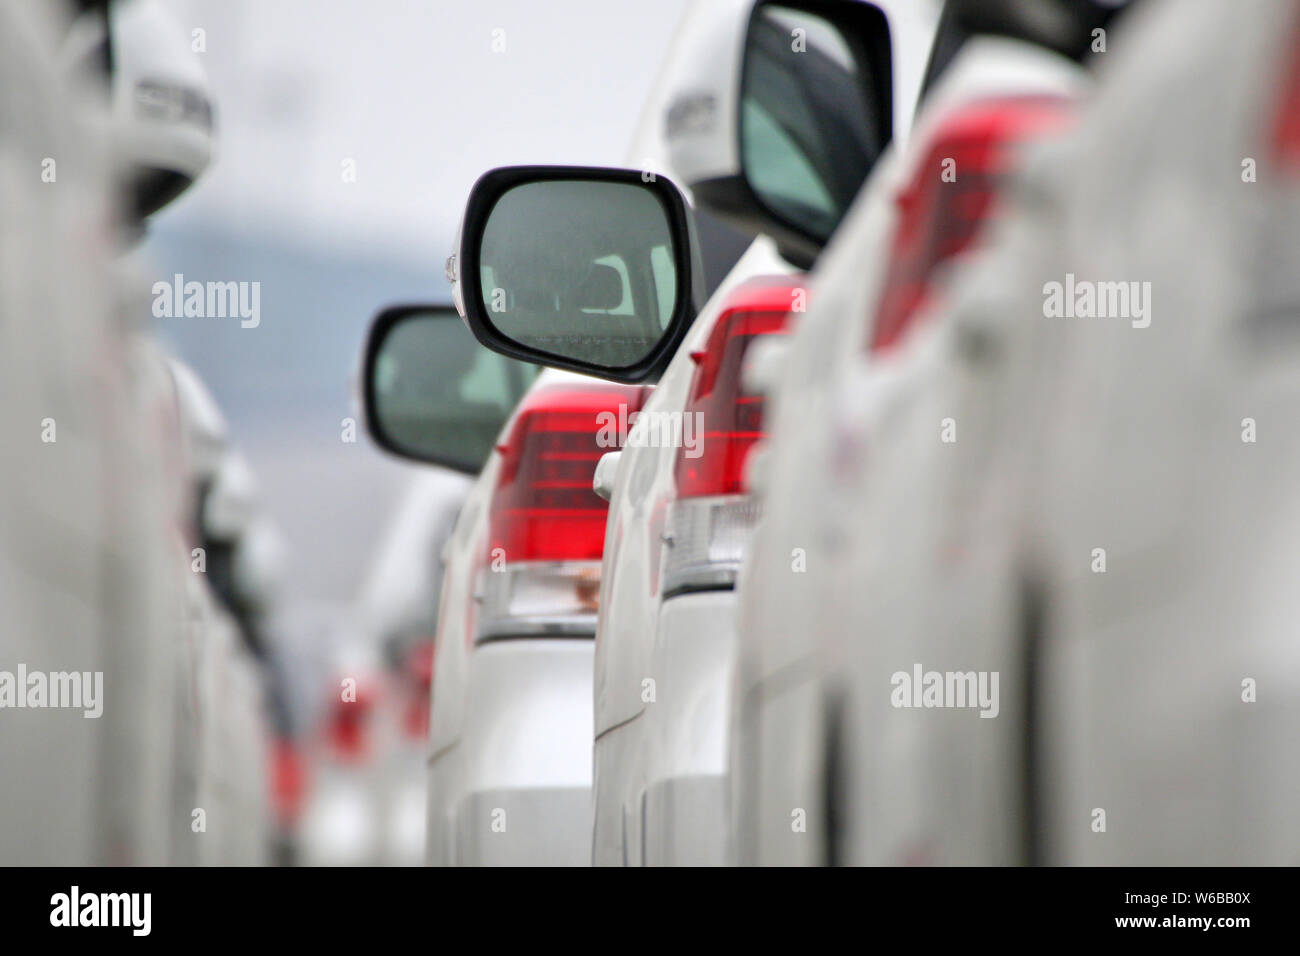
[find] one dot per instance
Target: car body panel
(510, 719)
(517, 787)
(631, 601)
(1123, 734)
(832, 408)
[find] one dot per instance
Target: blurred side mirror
(433, 394)
(582, 268)
(815, 114)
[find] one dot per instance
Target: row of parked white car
(954, 525)
(138, 569)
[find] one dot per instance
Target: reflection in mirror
(580, 269)
(438, 395)
(809, 130)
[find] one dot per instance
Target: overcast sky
(414, 93)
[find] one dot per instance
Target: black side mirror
(433, 394)
(582, 268)
(815, 114)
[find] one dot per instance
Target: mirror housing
(162, 114)
(587, 259)
(430, 393)
(836, 106)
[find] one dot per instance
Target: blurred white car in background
(229, 696)
(112, 503)
(99, 574)
(398, 603)
(366, 800)
(350, 783)
(84, 552)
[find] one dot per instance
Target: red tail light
(729, 420)
(546, 525)
(419, 669)
(349, 723)
(940, 219)
(707, 529)
(1286, 120)
(288, 781)
(544, 508)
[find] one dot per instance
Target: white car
(226, 700)
(509, 751)
(90, 564)
(62, 493)
(366, 804)
(398, 604)
(1112, 530)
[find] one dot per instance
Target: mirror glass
(437, 395)
(810, 128)
(581, 269)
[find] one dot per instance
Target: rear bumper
(516, 789)
(687, 821)
(537, 826)
(687, 817)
